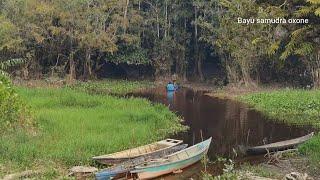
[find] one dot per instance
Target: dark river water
(231, 124)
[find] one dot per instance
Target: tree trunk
(125, 16)
(166, 20)
(314, 67)
(184, 67)
(87, 68)
(72, 68)
(316, 78)
(158, 26)
(198, 60)
(199, 66)
(246, 76)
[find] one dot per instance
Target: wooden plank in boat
(145, 150)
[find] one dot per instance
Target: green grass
(74, 126)
(292, 106)
(299, 107)
(113, 87)
(312, 150)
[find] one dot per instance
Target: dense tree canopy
(77, 38)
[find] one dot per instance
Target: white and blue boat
(124, 168)
(173, 162)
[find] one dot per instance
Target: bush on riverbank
(13, 113)
(74, 126)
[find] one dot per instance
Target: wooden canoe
(124, 168)
(173, 162)
(146, 150)
(278, 146)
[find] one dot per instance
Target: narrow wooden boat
(146, 150)
(124, 168)
(278, 146)
(173, 162)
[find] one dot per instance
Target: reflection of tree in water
(235, 118)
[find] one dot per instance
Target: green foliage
(238, 41)
(295, 46)
(76, 126)
(292, 106)
(111, 87)
(78, 37)
(8, 33)
(311, 149)
(303, 40)
(5, 65)
(13, 113)
(130, 55)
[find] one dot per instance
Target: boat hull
(173, 162)
(125, 167)
(154, 172)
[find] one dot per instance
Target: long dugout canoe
(279, 146)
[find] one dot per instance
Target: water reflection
(231, 124)
(170, 97)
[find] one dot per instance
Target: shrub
(12, 111)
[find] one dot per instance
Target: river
(232, 125)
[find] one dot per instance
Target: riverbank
(295, 107)
(75, 123)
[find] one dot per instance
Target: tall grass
(312, 149)
(74, 126)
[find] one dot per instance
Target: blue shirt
(171, 87)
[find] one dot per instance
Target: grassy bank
(299, 107)
(113, 87)
(74, 126)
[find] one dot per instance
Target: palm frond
(304, 49)
(289, 50)
(299, 33)
(317, 12)
(317, 2)
(273, 48)
(303, 11)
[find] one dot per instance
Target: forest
(193, 39)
